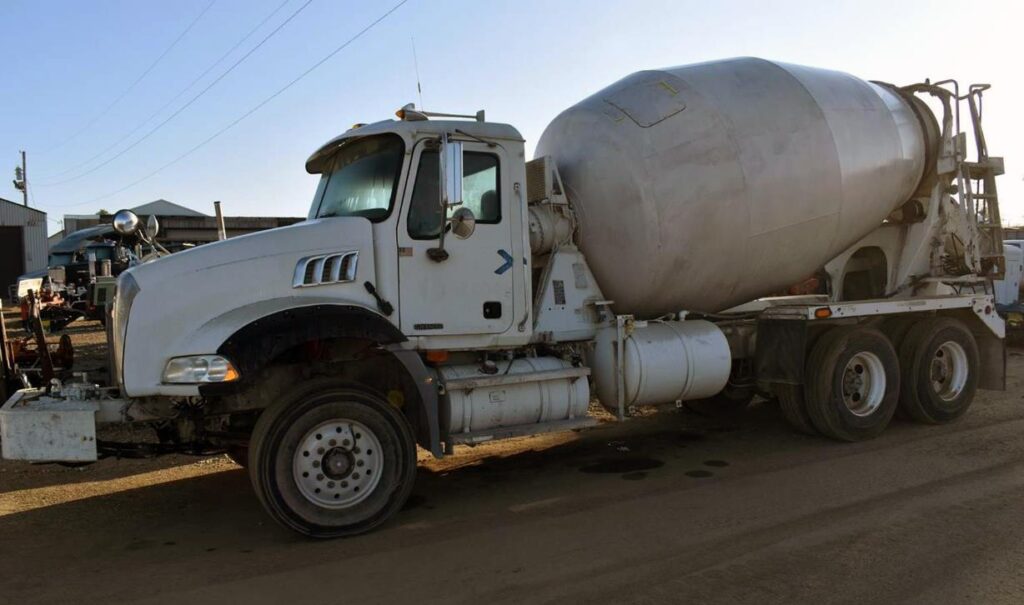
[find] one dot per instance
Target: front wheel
(334, 461)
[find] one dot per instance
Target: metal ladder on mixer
(978, 181)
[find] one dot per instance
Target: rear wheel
(939, 360)
(794, 408)
(852, 383)
(334, 461)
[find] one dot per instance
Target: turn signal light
(823, 313)
(437, 356)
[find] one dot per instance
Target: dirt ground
(669, 508)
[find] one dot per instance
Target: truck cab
(392, 174)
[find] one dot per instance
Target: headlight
(196, 369)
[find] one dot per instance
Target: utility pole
(21, 179)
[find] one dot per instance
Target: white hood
(190, 302)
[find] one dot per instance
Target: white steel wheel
(338, 463)
(949, 370)
(333, 460)
(851, 383)
(863, 384)
(939, 364)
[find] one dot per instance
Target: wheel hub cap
(863, 383)
(338, 463)
(948, 370)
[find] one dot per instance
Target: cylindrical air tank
(705, 186)
(505, 405)
(662, 362)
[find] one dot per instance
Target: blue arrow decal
(506, 265)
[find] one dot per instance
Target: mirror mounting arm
(438, 255)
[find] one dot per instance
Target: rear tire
(853, 382)
(939, 360)
(794, 408)
(332, 461)
(896, 330)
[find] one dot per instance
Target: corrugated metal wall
(34, 232)
(1013, 232)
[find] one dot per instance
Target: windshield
(101, 252)
(361, 180)
(59, 259)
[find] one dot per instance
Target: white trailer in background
(1007, 290)
(446, 291)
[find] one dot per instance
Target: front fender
(261, 341)
(143, 374)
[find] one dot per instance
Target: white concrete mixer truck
(446, 291)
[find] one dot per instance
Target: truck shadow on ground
(212, 520)
(221, 497)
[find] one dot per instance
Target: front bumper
(38, 428)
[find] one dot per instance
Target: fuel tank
(705, 186)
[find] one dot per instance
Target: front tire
(239, 455)
(333, 461)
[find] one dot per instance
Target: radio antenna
(416, 64)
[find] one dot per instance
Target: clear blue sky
(523, 61)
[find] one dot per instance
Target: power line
(136, 82)
(186, 105)
(251, 111)
(173, 99)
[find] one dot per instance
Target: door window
(480, 193)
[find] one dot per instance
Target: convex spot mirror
(463, 223)
(152, 226)
(126, 222)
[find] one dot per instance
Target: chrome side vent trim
(333, 268)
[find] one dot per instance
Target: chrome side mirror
(451, 175)
(126, 222)
(450, 181)
(463, 223)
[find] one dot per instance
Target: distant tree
(103, 212)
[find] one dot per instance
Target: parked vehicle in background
(67, 288)
(445, 291)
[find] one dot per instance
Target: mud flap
(781, 350)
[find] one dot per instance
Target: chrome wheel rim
(948, 370)
(863, 384)
(338, 463)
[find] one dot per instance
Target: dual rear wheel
(856, 379)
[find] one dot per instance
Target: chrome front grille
(333, 268)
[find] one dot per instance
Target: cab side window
(480, 193)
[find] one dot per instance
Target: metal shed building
(23, 245)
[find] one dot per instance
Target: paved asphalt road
(671, 508)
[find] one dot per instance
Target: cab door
(471, 292)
